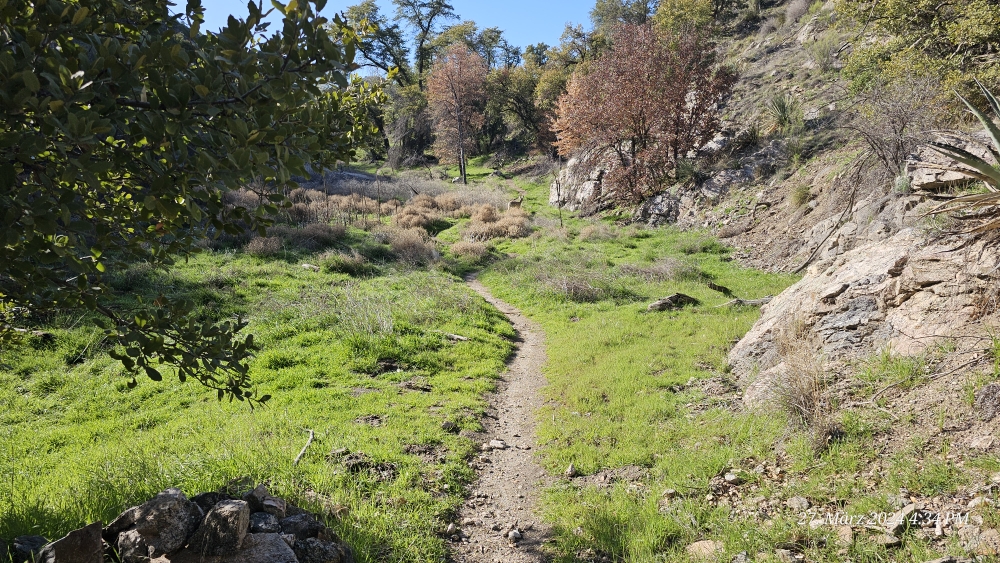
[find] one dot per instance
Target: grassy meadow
(358, 345)
(366, 363)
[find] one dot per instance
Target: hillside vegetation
(850, 419)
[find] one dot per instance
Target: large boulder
(161, 525)
(659, 210)
(579, 186)
(79, 546)
(906, 292)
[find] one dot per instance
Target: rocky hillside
(892, 318)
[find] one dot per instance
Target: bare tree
(891, 117)
(648, 101)
(456, 91)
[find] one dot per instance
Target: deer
(515, 202)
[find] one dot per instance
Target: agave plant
(983, 208)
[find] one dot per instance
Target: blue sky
(523, 21)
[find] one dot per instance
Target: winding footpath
(499, 522)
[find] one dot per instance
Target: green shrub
(801, 195)
(353, 265)
(702, 245)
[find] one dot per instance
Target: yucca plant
(983, 209)
(783, 112)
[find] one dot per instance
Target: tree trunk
(461, 141)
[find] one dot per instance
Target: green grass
(618, 395)
(363, 341)
(76, 445)
(617, 374)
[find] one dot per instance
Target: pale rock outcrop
(928, 169)
(578, 185)
(905, 292)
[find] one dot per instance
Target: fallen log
(675, 301)
(746, 302)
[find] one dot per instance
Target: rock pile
(255, 527)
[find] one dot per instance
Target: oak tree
(124, 126)
(424, 16)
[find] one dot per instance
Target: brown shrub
(300, 213)
(416, 217)
(391, 207)
(355, 203)
(595, 232)
(314, 236)
(423, 200)
(479, 232)
(486, 214)
(263, 246)
(664, 269)
(473, 250)
(303, 195)
(463, 212)
(487, 225)
(242, 198)
(578, 289)
(412, 246)
(515, 225)
(448, 202)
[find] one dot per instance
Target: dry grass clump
(596, 232)
(391, 207)
(448, 202)
(423, 201)
(263, 246)
(802, 387)
(242, 198)
(486, 224)
(769, 26)
(585, 286)
(801, 195)
(463, 212)
(411, 217)
(412, 246)
(355, 203)
(517, 222)
(664, 269)
(468, 249)
(576, 288)
(486, 213)
(303, 195)
(314, 236)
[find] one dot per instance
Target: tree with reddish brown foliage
(646, 102)
(456, 93)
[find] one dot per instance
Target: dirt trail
(502, 504)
